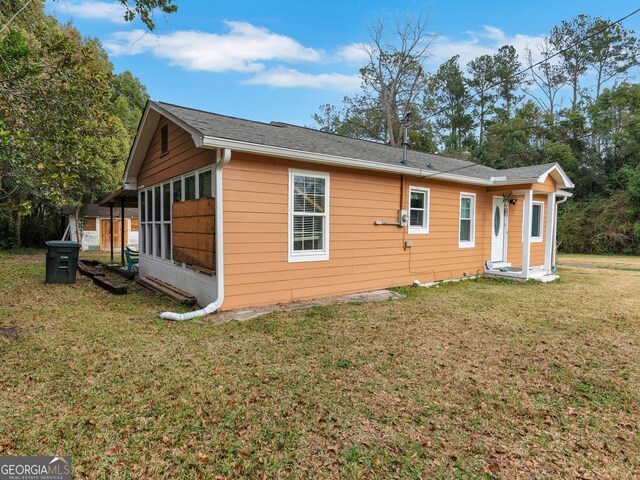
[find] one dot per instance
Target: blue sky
(281, 60)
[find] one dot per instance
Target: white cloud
(288, 77)
(244, 48)
(485, 42)
(354, 53)
(113, 12)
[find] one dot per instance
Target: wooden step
(170, 291)
(89, 271)
(110, 286)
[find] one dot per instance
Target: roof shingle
(277, 134)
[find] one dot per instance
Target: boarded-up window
(193, 233)
(90, 224)
(134, 224)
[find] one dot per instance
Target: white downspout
(212, 307)
(555, 232)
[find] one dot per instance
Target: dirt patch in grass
(469, 380)
(9, 332)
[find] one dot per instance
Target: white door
(497, 230)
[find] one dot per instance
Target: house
(242, 213)
(96, 227)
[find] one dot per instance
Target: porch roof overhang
(126, 193)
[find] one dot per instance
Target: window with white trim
(155, 202)
(418, 210)
(467, 234)
(308, 216)
(537, 210)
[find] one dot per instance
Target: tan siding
(182, 157)
(363, 256)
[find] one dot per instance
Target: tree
(145, 10)
(129, 98)
(509, 80)
(449, 101)
(393, 78)
(611, 53)
(566, 39)
(64, 138)
(547, 76)
(482, 79)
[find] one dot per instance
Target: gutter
(219, 254)
(555, 230)
(326, 159)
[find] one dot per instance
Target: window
(308, 216)
(164, 139)
(90, 224)
(177, 190)
(536, 221)
(190, 187)
(149, 238)
(467, 220)
(418, 210)
(155, 209)
(204, 184)
(166, 221)
(134, 224)
(143, 234)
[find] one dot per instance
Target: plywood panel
(193, 233)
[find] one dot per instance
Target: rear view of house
(241, 213)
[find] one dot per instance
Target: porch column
(550, 233)
(122, 230)
(111, 229)
(526, 233)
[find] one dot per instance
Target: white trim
(505, 223)
(550, 233)
(526, 226)
(538, 239)
(424, 229)
(467, 243)
(567, 183)
(308, 255)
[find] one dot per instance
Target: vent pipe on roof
(405, 136)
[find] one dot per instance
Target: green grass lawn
(471, 380)
(613, 261)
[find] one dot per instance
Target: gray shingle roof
(288, 136)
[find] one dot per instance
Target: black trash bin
(62, 261)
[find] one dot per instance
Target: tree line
(66, 121)
(571, 98)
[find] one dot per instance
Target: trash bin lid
(62, 243)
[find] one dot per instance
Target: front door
(497, 231)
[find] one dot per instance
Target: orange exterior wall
(362, 256)
(182, 157)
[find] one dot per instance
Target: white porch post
(526, 233)
(550, 233)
